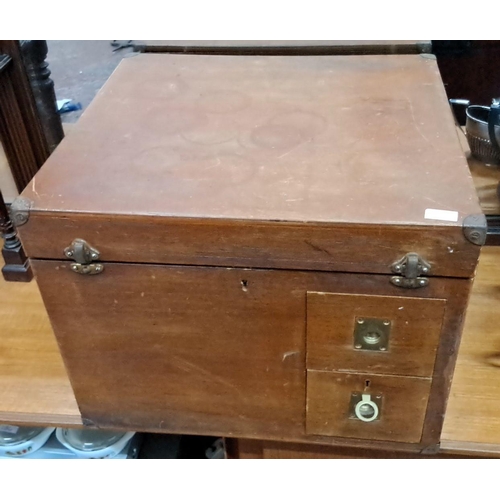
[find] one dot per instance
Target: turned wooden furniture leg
(14, 133)
(30, 128)
(17, 266)
(34, 53)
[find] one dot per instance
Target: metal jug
(482, 128)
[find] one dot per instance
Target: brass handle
(372, 334)
(366, 410)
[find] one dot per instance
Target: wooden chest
(261, 247)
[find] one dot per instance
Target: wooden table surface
(34, 387)
(473, 415)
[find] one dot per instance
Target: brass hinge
(411, 268)
(83, 255)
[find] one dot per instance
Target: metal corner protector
(475, 229)
(20, 210)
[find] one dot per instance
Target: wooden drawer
(336, 320)
(402, 403)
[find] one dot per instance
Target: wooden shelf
(473, 414)
(34, 387)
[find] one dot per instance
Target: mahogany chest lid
(262, 161)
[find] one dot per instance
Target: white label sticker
(435, 214)
(9, 429)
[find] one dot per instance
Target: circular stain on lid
(156, 160)
(276, 136)
(223, 101)
(310, 124)
(215, 130)
(223, 170)
(172, 121)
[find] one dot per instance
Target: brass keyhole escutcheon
(372, 334)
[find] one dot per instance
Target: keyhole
(367, 384)
(244, 285)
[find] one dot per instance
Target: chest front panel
(223, 350)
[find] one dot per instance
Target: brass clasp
(83, 255)
(411, 267)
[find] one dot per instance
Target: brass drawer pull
(366, 409)
(372, 334)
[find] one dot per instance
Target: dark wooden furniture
(21, 129)
(470, 69)
(284, 47)
(34, 54)
(30, 129)
(21, 138)
(14, 138)
(211, 218)
(17, 266)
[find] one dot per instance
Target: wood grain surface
(473, 413)
(264, 245)
(215, 351)
(254, 449)
(413, 338)
(402, 411)
(354, 139)
(34, 387)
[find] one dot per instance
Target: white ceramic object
(90, 443)
(16, 442)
